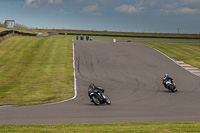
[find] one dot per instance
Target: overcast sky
(113, 15)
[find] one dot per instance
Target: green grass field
(2, 29)
(187, 52)
(35, 70)
(105, 128)
(142, 39)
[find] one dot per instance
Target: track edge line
(170, 59)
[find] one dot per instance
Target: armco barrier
(24, 34)
(4, 33)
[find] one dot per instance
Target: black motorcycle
(171, 86)
(97, 95)
(87, 38)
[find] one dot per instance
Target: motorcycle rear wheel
(95, 100)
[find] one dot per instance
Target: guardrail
(4, 33)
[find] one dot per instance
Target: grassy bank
(187, 52)
(138, 34)
(142, 39)
(3, 29)
(105, 128)
(35, 70)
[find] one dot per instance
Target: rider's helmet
(167, 75)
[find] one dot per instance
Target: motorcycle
(171, 86)
(97, 95)
(81, 37)
(87, 38)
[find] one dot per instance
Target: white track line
(75, 88)
(172, 60)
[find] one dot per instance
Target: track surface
(131, 74)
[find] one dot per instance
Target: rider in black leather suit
(96, 88)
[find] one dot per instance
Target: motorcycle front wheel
(108, 101)
(173, 89)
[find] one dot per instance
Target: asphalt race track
(131, 74)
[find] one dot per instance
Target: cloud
(146, 5)
(187, 11)
(126, 9)
(138, 7)
(42, 3)
(92, 9)
(178, 9)
(193, 4)
(82, 3)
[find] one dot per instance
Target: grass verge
(139, 34)
(2, 29)
(35, 70)
(105, 128)
(187, 52)
(143, 39)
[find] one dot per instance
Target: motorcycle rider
(96, 88)
(92, 88)
(97, 95)
(87, 37)
(167, 80)
(81, 37)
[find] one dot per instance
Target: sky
(155, 16)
